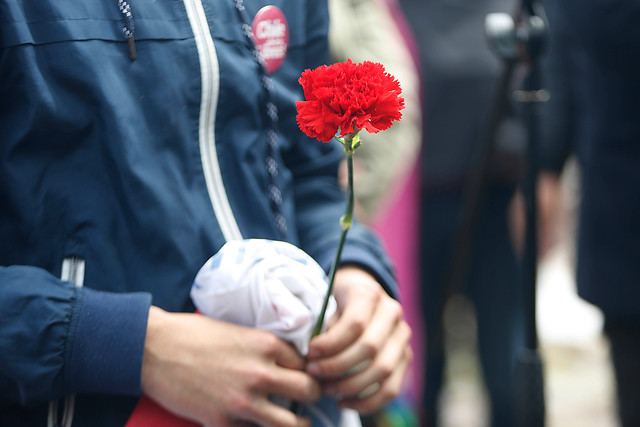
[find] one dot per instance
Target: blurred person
(135, 141)
(460, 76)
(594, 80)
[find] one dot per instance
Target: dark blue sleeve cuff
(106, 343)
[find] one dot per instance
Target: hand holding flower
(342, 99)
(365, 353)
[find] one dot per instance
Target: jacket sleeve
(59, 339)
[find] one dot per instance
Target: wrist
(156, 324)
(353, 276)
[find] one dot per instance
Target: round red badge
(271, 33)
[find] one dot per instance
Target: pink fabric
(398, 228)
(405, 29)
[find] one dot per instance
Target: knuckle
(396, 309)
(370, 348)
(269, 343)
(393, 309)
(262, 378)
(358, 326)
(385, 370)
(376, 292)
(240, 404)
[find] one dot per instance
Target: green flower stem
(350, 142)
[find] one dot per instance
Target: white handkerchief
(267, 284)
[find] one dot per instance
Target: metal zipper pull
(132, 48)
(128, 28)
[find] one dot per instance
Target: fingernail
(313, 353)
(313, 369)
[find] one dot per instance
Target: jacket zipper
(210, 79)
(72, 271)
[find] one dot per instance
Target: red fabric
(149, 414)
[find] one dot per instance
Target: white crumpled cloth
(273, 286)
(267, 284)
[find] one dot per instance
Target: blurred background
(461, 282)
(578, 375)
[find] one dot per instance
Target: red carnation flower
(341, 100)
(345, 97)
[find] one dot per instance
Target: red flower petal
(343, 95)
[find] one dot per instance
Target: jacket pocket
(42, 22)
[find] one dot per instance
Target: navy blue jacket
(119, 178)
